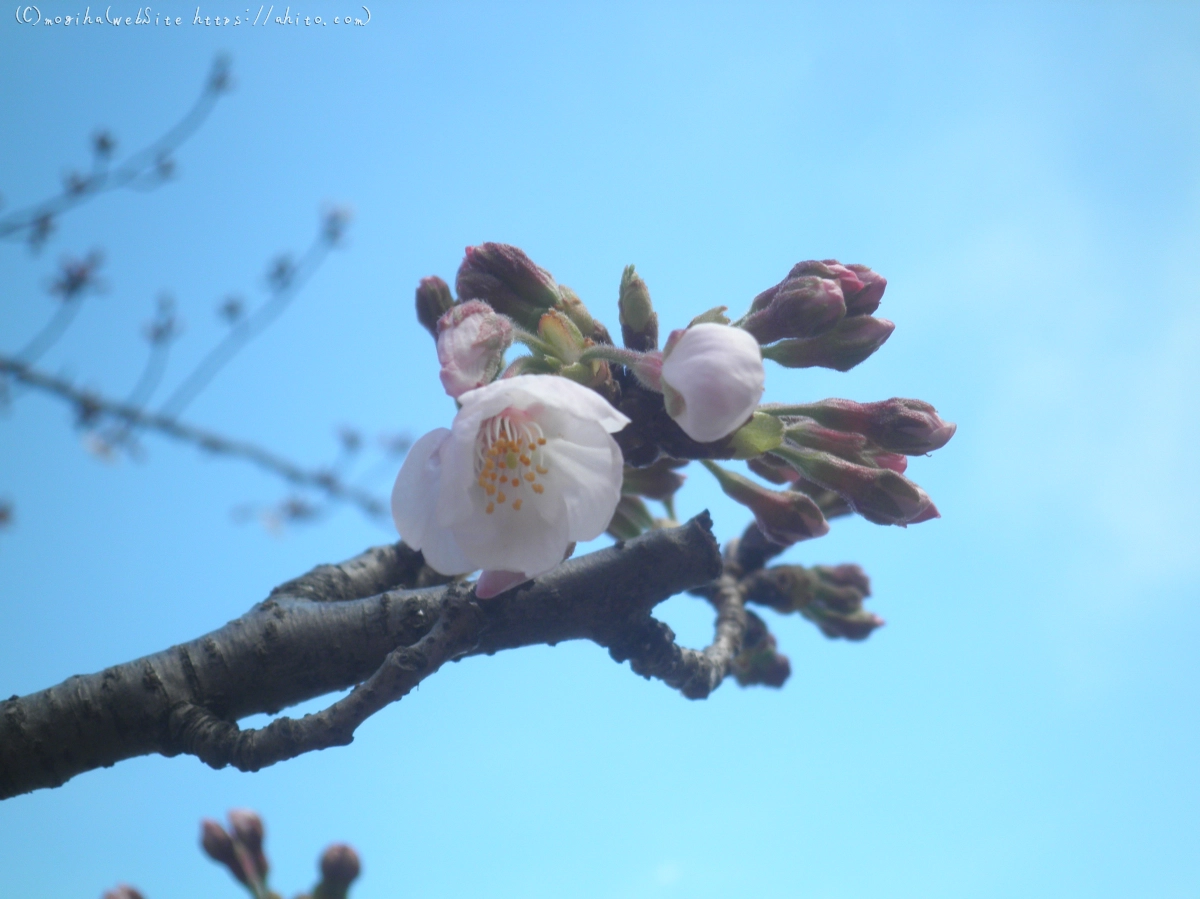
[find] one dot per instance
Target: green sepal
(759, 435)
(715, 315)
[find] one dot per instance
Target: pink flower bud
(797, 307)
(218, 845)
(830, 597)
(340, 867)
(248, 832)
(911, 427)
(433, 301)
(508, 281)
(712, 379)
(879, 495)
(848, 344)
(784, 516)
(471, 340)
(124, 891)
(864, 300)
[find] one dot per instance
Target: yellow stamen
(500, 497)
(538, 489)
(517, 504)
(491, 508)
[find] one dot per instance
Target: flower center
(509, 459)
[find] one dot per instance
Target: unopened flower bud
(471, 341)
(340, 867)
(848, 344)
(712, 380)
(864, 300)
(861, 287)
(248, 831)
(784, 516)
(433, 301)
(639, 321)
(124, 891)
(849, 445)
(562, 335)
(830, 597)
(218, 845)
(759, 662)
(658, 481)
(630, 519)
(879, 495)
(796, 308)
(911, 427)
(772, 469)
(570, 304)
(505, 278)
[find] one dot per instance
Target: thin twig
(51, 331)
(29, 222)
(287, 281)
(94, 405)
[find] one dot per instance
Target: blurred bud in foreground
(630, 518)
(248, 831)
(340, 867)
(508, 281)
(911, 427)
(124, 891)
(658, 481)
(759, 662)
(804, 306)
(879, 495)
(471, 342)
(218, 845)
(829, 596)
(433, 301)
(784, 516)
(848, 344)
(639, 321)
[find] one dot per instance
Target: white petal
(415, 504)
(718, 372)
(585, 477)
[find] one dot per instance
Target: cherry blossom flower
(471, 340)
(712, 379)
(527, 468)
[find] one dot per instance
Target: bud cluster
(820, 315)
(698, 398)
(241, 852)
(829, 596)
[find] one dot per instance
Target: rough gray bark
(382, 621)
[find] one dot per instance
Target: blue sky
(1028, 179)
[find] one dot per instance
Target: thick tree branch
(366, 622)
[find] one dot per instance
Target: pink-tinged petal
(471, 340)
(713, 375)
(553, 477)
(493, 582)
(415, 499)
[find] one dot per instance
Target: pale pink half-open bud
(527, 468)
(471, 341)
(712, 379)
